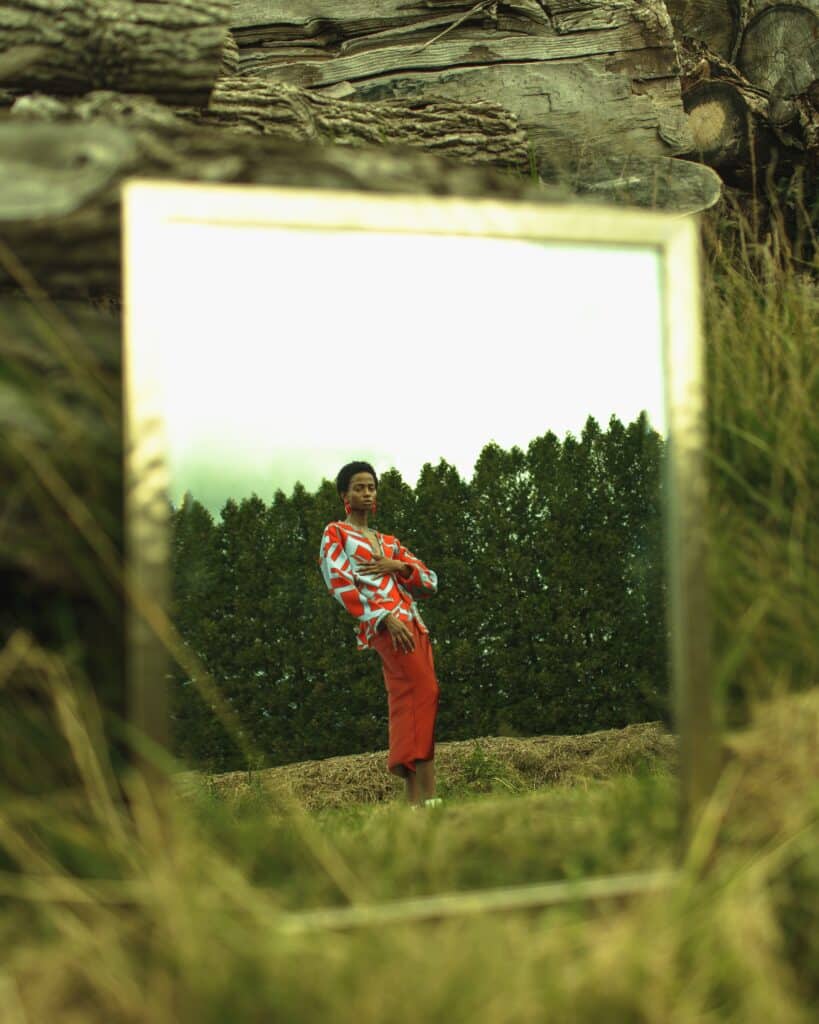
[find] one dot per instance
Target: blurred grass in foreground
(115, 917)
(118, 919)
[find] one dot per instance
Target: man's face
(361, 492)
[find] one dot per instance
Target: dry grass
(190, 931)
(517, 764)
(777, 758)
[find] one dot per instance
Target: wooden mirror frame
(151, 207)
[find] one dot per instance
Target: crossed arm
(382, 564)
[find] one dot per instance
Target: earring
(375, 506)
(347, 507)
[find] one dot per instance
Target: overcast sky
(286, 353)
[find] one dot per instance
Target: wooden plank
(469, 49)
(344, 17)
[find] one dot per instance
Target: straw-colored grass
(483, 764)
(146, 921)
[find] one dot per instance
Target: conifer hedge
(550, 616)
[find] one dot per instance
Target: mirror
(526, 382)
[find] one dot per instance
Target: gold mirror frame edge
(148, 204)
(481, 901)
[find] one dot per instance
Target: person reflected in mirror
(377, 580)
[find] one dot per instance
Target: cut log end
(718, 117)
(780, 50)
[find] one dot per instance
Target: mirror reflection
(506, 400)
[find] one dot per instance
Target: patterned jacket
(370, 598)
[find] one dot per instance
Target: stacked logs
(594, 86)
(151, 90)
(213, 89)
(750, 85)
(624, 100)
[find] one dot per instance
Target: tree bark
(172, 50)
(475, 133)
(583, 79)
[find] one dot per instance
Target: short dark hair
(346, 473)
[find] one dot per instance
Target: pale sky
(286, 353)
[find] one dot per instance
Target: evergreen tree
(196, 612)
(442, 538)
(550, 615)
(242, 663)
(505, 579)
(541, 548)
(636, 458)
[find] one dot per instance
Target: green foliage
(481, 769)
(549, 616)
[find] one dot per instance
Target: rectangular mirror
(526, 380)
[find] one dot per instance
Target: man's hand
(402, 635)
(381, 565)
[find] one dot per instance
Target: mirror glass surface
(285, 353)
(510, 393)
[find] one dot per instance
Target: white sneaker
(433, 801)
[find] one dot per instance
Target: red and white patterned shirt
(370, 598)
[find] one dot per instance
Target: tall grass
(111, 915)
(762, 355)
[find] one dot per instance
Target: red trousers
(412, 694)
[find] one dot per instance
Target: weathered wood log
(172, 50)
(60, 204)
(716, 23)
(726, 120)
(475, 133)
(720, 24)
(479, 133)
(659, 183)
(779, 51)
(583, 79)
(737, 126)
(751, 8)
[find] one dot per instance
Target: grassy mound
(465, 766)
